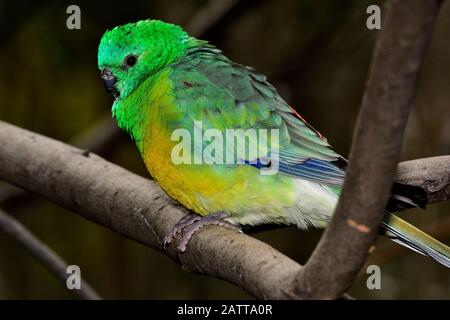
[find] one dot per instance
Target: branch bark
(138, 209)
(375, 152)
(431, 174)
(46, 256)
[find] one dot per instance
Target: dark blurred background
(317, 53)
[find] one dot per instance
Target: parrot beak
(109, 80)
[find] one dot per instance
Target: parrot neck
(139, 113)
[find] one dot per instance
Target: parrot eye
(130, 61)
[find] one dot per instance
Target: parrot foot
(184, 222)
(189, 226)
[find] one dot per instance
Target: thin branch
(46, 256)
(209, 15)
(375, 152)
(138, 209)
(100, 137)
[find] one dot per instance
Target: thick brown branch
(375, 152)
(137, 208)
(42, 253)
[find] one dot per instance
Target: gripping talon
(178, 228)
(189, 231)
(191, 223)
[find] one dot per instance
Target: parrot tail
(409, 236)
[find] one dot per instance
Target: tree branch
(431, 174)
(138, 209)
(46, 256)
(375, 152)
(211, 14)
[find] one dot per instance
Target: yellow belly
(197, 187)
(207, 189)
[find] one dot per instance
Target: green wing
(226, 95)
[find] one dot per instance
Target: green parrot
(170, 87)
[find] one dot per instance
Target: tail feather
(409, 236)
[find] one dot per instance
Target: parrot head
(129, 54)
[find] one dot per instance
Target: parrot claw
(189, 226)
(187, 220)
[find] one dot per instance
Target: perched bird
(164, 80)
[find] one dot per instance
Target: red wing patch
(308, 125)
